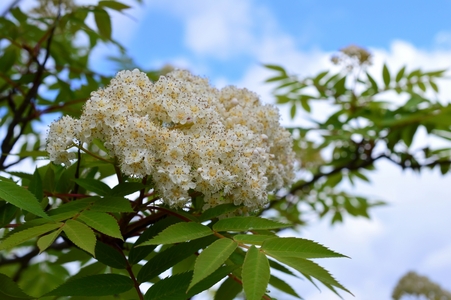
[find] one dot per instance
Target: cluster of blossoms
(189, 136)
(416, 285)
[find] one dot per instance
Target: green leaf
(283, 286)
(126, 188)
(110, 256)
(94, 285)
(247, 224)
(218, 211)
(373, 83)
(386, 76)
(433, 86)
(94, 185)
(10, 290)
(297, 247)
(276, 68)
(228, 290)
(114, 5)
(400, 74)
(102, 222)
(340, 87)
(180, 232)
(35, 186)
(210, 280)
(255, 274)
(174, 287)
(293, 111)
(139, 253)
(171, 256)
(81, 235)
(91, 269)
(253, 239)
(170, 288)
(309, 268)
(212, 258)
(47, 240)
(7, 213)
(21, 198)
(8, 58)
(103, 23)
(26, 234)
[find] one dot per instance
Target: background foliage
(52, 216)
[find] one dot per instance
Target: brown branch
(27, 105)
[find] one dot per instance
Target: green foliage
(72, 215)
(94, 285)
(360, 128)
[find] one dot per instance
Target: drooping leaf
(114, 5)
(94, 185)
(297, 247)
(252, 239)
(309, 268)
(255, 274)
(47, 240)
(10, 290)
(212, 258)
(110, 256)
(228, 290)
(180, 232)
(276, 68)
(21, 198)
(103, 23)
(81, 235)
(101, 222)
(24, 235)
(94, 285)
(247, 224)
(283, 286)
(171, 256)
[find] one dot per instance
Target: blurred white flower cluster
(189, 136)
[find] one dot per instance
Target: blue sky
(228, 40)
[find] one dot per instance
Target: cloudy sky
(228, 40)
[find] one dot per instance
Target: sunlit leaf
(297, 247)
(21, 198)
(27, 234)
(81, 235)
(101, 222)
(180, 232)
(212, 258)
(247, 224)
(255, 274)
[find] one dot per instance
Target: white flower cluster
(189, 136)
